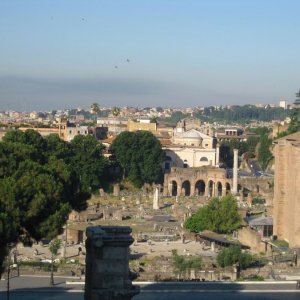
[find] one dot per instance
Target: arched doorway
(219, 189)
(200, 188)
(174, 188)
(210, 188)
(228, 188)
(186, 188)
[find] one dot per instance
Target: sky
(57, 54)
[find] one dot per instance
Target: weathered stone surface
(107, 255)
(287, 189)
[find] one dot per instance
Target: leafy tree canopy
(116, 111)
(264, 153)
(220, 216)
(140, 155)
(233, 255)
(41, 180)
(87, 161)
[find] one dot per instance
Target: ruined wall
(287, 189)
(193, 175)
(251, 238)
(259, 186)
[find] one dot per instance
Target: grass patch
(252, 278)
(281, 243)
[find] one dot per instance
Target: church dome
(192, 134)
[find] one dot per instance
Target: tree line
(236, 114)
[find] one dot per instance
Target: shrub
(233, 255)
(219, 215)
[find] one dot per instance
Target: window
(268, 230)
(203, 158)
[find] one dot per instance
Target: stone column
(206, 191)
(179, 189)
(217, 155)
(116, 190)
(213, 192)
(192, 193)
(170, 188)
(166, 190)
(107, 271)
(156, 198)
(235, 171)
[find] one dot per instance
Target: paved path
(33, 288)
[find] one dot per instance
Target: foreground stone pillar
(107, 271)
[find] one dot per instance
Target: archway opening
(219, 188)
(174, 188)
(200, 188)
(228, 188)
(186, 188)
(210, 188)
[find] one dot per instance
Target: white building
(190, 147)
(71, 132)
(283, 104)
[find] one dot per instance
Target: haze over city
(58, 54)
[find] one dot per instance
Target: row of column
(213, 193)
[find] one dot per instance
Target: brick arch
(200, 187)
(211, 187)
(194, 176)
(186, 188)
(228, 187)
(173, 188)
(219, 189)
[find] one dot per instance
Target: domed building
(190, 146)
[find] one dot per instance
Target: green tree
(95, 109)
(88, 162)
(294, 125)
(264, 153)
(140, 155)
(53, 247)
(116, 111)
(218, 215)
(233, 255)
(38, 189)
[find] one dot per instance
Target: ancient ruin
(202, 181)
(107, 272)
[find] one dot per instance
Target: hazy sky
(70, 53)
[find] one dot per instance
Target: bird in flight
(128, 60)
